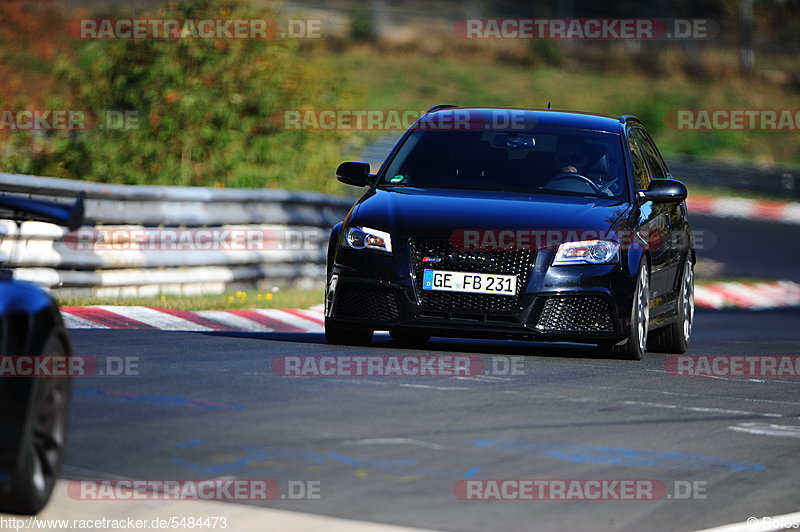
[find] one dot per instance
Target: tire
(674, 338)
(340, 335)
(44, 434)
(632, 348)
(410, 337)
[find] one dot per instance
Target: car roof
(549, 117)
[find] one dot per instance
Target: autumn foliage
(204, 108)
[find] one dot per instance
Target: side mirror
(354, 173)
(664, 191)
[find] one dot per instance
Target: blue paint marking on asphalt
(404, 467)
(163, 400)
(258, 454)
(355, 462)
(223, 468)
(619, 456)
(282, 453)
(252, 455)
(470, 473)
(190, 443)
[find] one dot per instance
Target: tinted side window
(640, 171)
(658, 169)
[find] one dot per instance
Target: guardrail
(147, 240)
(780, 180)
(43, 252)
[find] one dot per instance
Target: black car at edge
(509, 223)
(34, 404)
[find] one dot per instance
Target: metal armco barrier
(147, 240)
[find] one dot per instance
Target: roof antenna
(548, 105)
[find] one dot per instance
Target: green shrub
(209, 112)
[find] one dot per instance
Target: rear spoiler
(70, 216)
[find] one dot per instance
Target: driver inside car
(573, 157)
(570, 155)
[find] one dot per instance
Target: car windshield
(553, 161)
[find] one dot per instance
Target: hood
(438, 213)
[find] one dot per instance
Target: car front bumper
(576, 303)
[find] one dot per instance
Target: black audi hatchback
(532, 224)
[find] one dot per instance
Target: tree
(204, 109)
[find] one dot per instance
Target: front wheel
(44, 434)
(633, 347)
(343, 335)
(674, 338)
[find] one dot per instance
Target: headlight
(587, 252)
(366, 238)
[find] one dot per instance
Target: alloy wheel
(643, 308)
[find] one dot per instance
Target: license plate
(476, 283)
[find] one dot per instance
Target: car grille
(506, 261)
(361, 301)
(577, 314)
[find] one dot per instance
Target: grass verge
(406, 80)
(229, 300)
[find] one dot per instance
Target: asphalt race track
(391, 449)
(749, 248)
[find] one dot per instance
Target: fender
(333, 243)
